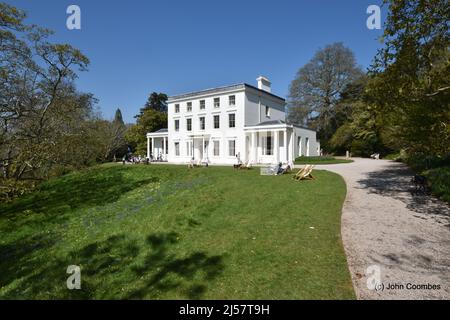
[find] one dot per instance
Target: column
(254, 148)
(293, 155)
(153, 148)
(164, 148)
(276, 146)
(148, 148)
(203, 148)
(286, 156)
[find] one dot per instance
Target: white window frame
(216, 143)
(200, 123)
(267, 111)
(265, 145)
(189, 107)
(187, 124)
(232, 100)
(177, 121)
(234, 148)
(202, 104)
(214, 121)
(229, 120)
(177, 108)
(216, 102)
(177, 148)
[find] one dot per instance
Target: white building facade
(227, 124)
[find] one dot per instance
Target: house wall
(223, 134)
(249, 110)
(300, 146)
(255, 108)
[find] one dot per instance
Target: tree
(151, 118)
(118, 119)
(41, 112)
(411, 76)
(318, 86)
(157, 102)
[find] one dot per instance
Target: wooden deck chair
(305, 173)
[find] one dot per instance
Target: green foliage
(47, 127)
(411, 76)
(439, 181)
(341, 141)
(151, 118)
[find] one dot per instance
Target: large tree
(152, 117)
(317, 88)
(42, 115)
(411, 77)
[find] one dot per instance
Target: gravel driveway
(385, 224)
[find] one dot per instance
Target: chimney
(264, 84)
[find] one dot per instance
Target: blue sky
(139, 46)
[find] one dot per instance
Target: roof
(280, 122)
(223, 89)
(161, 131)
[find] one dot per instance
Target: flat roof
(223, 89)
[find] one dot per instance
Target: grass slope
(166, 232)
(320, 160)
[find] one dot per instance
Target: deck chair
(305, 173)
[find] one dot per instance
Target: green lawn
(167, 232)
(320, 160)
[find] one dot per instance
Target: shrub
(439, 180)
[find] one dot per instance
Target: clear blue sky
(140, 46)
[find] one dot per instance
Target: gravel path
(385, 224)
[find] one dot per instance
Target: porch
(158, 145)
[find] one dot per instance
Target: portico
(269, 143)
(157, 145)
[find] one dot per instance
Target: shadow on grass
(108, 269)
(53, 201)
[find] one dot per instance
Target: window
(177, 125)
(189, 148)
(189, 124)
(216, 148)
(202, 104)
(177, 108)
(202, 123)
(232, 120)
(267, 112)
(232, 100)
(189, 107)
(216, 122)
(177, 149)
(232, 148)
(268, 146)
(216, 102)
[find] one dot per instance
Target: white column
(276, 146)
(203, 148)
(286, 156)
(254, 148)
(292, 147)
(148, 147)
(153, 148)
(164, 148)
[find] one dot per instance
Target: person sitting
(280, 169)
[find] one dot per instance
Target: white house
(219, 125)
